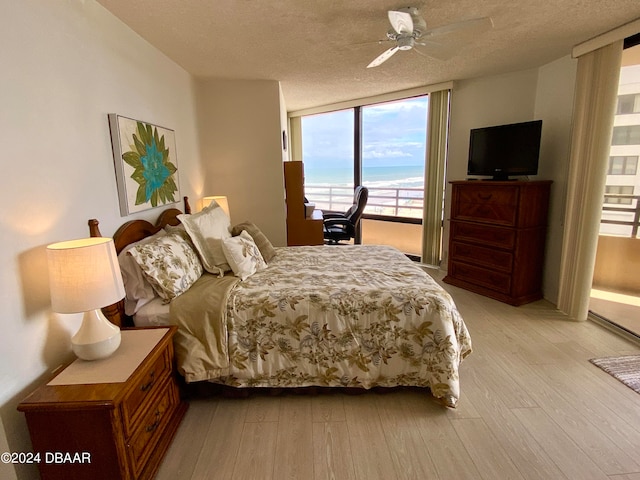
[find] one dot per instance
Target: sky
(393, 135)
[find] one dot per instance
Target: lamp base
(97, 338)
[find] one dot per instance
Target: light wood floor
(532, 407)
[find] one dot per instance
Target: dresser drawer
(479, 203)
(486, 212)
(145, 388)
(494, 280)
(493, 195)
(486, 235)
(151, 427)
(485, 256)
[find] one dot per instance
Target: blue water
(405, 176)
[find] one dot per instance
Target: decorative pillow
(243, 255)
(169, 263)
(182, 232)
(207, 229)
(262, 242)
(138, 290)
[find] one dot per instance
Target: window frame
(358, 149)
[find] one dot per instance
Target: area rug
(626, 369)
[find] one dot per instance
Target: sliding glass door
(616, 284)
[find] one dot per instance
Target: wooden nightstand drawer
(145, 388)
(151, 427)
(485, 256)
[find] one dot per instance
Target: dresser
(108, 419)
(497, 238)
(302, 229)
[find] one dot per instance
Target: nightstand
(112, 418)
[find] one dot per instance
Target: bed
(328, 316)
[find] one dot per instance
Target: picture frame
(146, 164)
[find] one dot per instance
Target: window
(328, 152)
(623, 165)
(628, 104)
(393, 156)
(618, 190)
(381, 146)
(626, 135)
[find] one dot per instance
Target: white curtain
(594, 109)
(435, 165)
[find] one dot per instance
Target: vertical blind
(435, 167)
(594, 109)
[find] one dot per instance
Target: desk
(300, 229)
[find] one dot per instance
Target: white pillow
(169, 263)
(243, 255)
(207, 229)
(138, 290)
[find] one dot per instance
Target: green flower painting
(152, 169)
(147, 171)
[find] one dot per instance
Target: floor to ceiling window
(393, 156)
(328, 152)
(381, 146)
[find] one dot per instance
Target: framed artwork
(145, 162)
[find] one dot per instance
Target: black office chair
(342, 226)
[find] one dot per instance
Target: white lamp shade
(84, 275)
(220, 200)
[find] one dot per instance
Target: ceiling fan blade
(378, 42)
(475, 24)
(436, 50)
(380, 59)
(400, 21)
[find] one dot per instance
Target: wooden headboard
(128, 233)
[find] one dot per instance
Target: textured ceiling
(318, 49)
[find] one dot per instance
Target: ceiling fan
(410, 29)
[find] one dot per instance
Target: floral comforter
(352, 316)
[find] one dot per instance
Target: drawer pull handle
(148, 385)
(485, 196)
(154, 425)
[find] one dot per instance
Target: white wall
(66, 64)
(240, 126)
(554, 105)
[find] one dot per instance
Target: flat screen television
(502, 151)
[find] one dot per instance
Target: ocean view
(392, 144)
(404, 176)
(396, 191)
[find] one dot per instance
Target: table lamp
(84, 275)
(220, 199)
